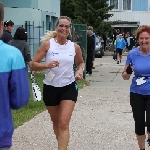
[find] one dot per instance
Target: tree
(90, 12)
(67, 8)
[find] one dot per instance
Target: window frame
(115, 8)
(148, 6)
(126, 9)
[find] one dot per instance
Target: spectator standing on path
(8, 28)
(117, 36)
(120, 45)
(115, 40)
(90, 51)
(118, 31)
(104, 39)
(113, 36)
(132, 41)
(14, 87)
(125, 38)
(60, 89)
(19, 41)
(93, 34)
(128, 40)
(138, 61)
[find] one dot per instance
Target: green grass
(33, 108)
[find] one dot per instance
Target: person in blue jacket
(120, 45)
(14, 87)
(138, 61)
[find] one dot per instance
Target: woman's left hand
(79, 74)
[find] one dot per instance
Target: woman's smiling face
(63, 28)
(144, 40)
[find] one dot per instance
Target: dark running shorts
(52, 96)
(119, 50)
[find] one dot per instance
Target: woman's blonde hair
(52, 34)
(48, 35)
(62, 17)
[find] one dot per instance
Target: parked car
(99, 49)
(109, 43)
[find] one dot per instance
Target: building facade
(130, 14)
(36, 16)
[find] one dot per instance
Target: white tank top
(64, 54)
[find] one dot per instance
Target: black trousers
(89, 64)
(140, 104)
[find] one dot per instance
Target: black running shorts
(119, 50)
(52, 96)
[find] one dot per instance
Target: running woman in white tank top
(63, 74)
(60, 89)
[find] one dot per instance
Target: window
(126, 4)
(115, 3)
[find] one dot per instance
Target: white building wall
(55, 7)
(142, 17)
(22, 15)
(44, 5)
(52, 6)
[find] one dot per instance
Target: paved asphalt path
(102, 119)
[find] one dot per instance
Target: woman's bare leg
(141, 141)
(60, 116)
(148, 135)
(54, 114)
(65, 113)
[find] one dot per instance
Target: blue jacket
(14, 89)
(93, 34)
(120, 43)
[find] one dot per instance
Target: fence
(34, 35)
(79, 35)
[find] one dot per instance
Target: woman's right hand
(129, 69)
(53, 64)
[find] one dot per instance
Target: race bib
(140, 81)
(49, 76)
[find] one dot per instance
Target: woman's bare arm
(79, 62)
(36, 64)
